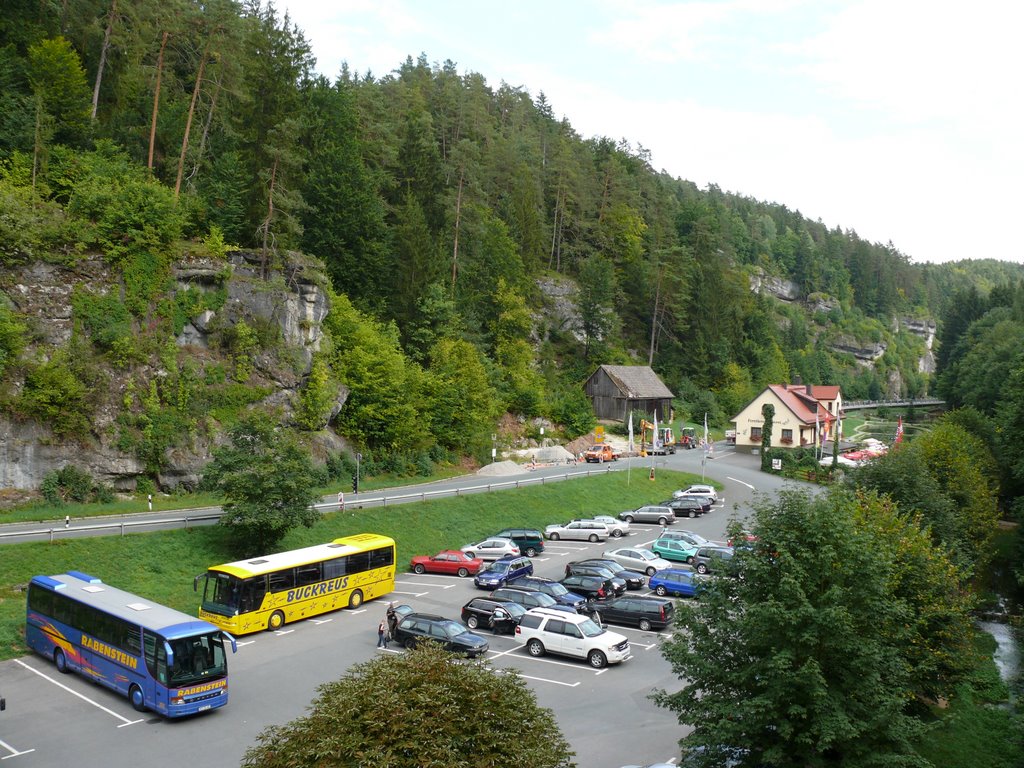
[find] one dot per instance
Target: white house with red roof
(805, 415)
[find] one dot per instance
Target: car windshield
(515, 610)
(545, 600)
(453, 629)
(498, 567)
(590, 628)
(557, 589)
(611, 565)
(645, 555)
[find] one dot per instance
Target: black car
(636, 611)
(495, 615)
(591, 587)
(633, 579)
(529, 598)
(589, 569)
(686, 506)
(418, 628)
(708, 559)
(550, 587)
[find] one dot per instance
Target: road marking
(243, 643)
(427, 584)
(528, 657)
(320, 621)
(738, 481)
(13, 751)
(414, 594)
(124, 720)
(546, 680)
(283, 632)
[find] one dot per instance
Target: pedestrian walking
(382, 635)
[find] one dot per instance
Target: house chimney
(797, 380)
(809, 389)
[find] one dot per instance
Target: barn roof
(636, 382)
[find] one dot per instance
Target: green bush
(55, 395)
(103, 316)
(12, 336)
(75, 485)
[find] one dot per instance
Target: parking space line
(242, 643)
(283, 632)
(427, 584)
(124, 720)
(414, 594)
(498, 654)
(546, 680)
(13, 751)
(320, 621)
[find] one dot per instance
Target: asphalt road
(55, 720)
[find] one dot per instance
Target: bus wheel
(355, 599)
(276, 620)
(61, 661)
(137, 699)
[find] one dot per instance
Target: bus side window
(334, 569)
(307, 574)
(282, 580)
(253, 591)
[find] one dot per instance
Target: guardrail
(351, 503)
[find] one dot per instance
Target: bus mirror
(234, 645)
(170, 655)
(195, 582)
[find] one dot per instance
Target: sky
(898, 120)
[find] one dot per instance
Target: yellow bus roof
(258, 566)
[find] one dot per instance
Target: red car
(450, 562)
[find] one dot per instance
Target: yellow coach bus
(268, 592)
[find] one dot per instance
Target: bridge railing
(852, 405)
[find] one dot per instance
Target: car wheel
(472, 622)
(662, 522)
(276, 621)
(651, 571)
(629, 518)
(410, 643)
(689, 560)
(531, 552)
(554, 537)
(693, 513)
(597, 659)
(645, 625)
(463, 573)
(61, 661)
(616, 534)
(419, 568)
(535, 647)
(701, 568)
(660, 591)
(593, 538)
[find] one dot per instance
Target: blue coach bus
(161, 659)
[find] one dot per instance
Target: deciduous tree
(418, 710)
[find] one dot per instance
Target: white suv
(543, 630)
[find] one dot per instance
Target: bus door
(155, 651)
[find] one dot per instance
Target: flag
(817, 434)
(899, 431)
(705, 427)
(630, 431)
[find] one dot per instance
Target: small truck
(600, 453)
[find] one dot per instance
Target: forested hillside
(451, 217)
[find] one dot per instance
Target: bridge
(907, 402)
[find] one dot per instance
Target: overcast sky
(899, 120)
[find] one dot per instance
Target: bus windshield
(222, 594)
(197, 658)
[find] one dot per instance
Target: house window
(787, 435)
(755, 433)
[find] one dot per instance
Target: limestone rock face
(784, 290)
(288, 294)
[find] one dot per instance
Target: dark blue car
(551, 587)
(675, 581)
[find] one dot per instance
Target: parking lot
(55, 719)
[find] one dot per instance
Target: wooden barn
(615, 390)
